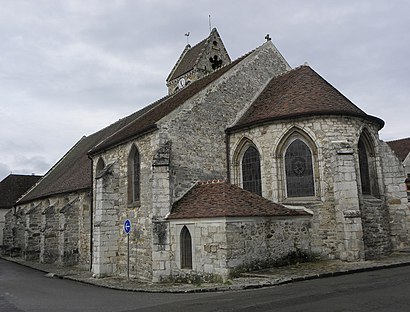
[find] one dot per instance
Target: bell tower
(198, 61)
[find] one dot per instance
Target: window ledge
(301, 201)
(135, 204)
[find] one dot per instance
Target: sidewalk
(258, 279)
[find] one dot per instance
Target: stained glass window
(299, 170)
(251, 171)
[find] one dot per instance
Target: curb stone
(260, 279)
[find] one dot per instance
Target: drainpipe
(91, 213)
(228, 156)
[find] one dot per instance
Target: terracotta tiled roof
(401, 147)
(13, 187)
(298, 93)
(221, 199)
(147, 120)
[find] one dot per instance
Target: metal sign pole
(127, 230)
(128, 256)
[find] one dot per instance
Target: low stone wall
(261, 242)
(221, 247)
(52, 230)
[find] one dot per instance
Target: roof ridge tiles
(214, 181)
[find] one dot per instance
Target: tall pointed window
(364, 168)
(134, 187)
(99, 168)
(299, 170)
(251, 171)
(186, 249)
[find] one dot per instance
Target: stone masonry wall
(260, 242)
(209, 250)
(395, 192)
(33, 233)
(197, 128)
(45, 233)
(336, 222)
(108, 221)
(9, 229)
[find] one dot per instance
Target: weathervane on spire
(187, 37)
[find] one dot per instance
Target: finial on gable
(187, 38)
(268, 38)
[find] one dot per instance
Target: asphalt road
(24, 289)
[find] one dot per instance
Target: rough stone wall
(69, 233)
(9, 229)
(19, 229)
(49, 242)
(48, 233)
(260, 242)
(336, 224)
(112, 209)
(222, 246)
(395, 196)
(376, 228)
(197, 128)
(209, 250)
(3, 213)
(32, 233)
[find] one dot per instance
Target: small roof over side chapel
(198, 61)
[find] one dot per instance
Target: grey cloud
(69, 68)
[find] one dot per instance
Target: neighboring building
(402, 149)
(243, 164)
(12, 188)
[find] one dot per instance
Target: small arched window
(251, 171)
(299, 170)
(99, 168)
(186, 249)
(134, 188)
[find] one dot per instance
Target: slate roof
(221, 199)
(73, 171)
(13, 187)
(190, 57)
(188, 60)
(300, 92)
(147, 121)
(401, 147)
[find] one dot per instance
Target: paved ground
(258, 279)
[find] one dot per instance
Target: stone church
(243, 163)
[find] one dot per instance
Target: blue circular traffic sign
(127, 226)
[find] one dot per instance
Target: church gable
(197, 61)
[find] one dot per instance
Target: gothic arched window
(251, 171)
(367, 165)
(299, 170)
(99, 168)
(364, 168)
(186, 249)
(134, 170)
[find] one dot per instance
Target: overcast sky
(69, 68)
